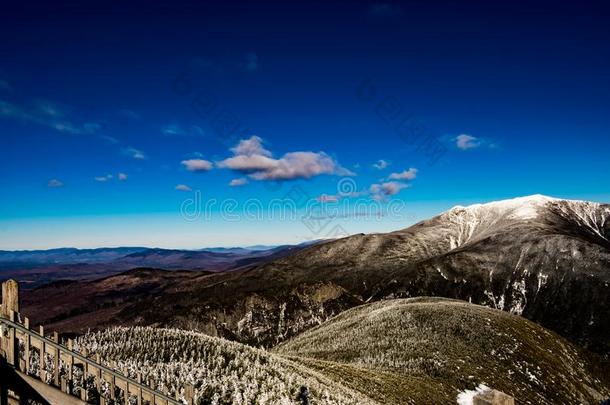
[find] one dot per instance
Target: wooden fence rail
(18, 340)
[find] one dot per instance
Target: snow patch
(441, 273)
(532, 377)
(542, 280)
(518, 297)
(466, 397)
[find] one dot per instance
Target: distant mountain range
(33, 268)
(20, 258)
(13, 258)
(543, 258)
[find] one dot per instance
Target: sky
(190, 125)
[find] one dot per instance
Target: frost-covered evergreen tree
(222, 372)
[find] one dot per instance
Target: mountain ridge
(538, 257)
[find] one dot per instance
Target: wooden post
(71, 367)
(112, 387)
(56, 355)
(139, 379)
(10, 298)
(26, 343)
(11, 355)
(42, 355)
(189, 393)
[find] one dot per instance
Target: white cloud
(54, 183)
(381, 164)
(383, 190)
(410, 174)
(465, 142)
(252, 158)
(134, 153)
(238, 182)
(103, 178)
(183, 187)
(197, 165)
(122, 177)
(251, 147)
(251, 163)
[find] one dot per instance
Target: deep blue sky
(515, 94)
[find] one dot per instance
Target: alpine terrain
(401, 351)
(545, 259)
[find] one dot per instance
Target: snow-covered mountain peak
(479, 220)
(518, 208)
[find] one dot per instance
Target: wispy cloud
(177, 130)
(103, 178)
(46, 114)
(183, 187)
(130, 114)
(109, 138)
(327, 198)
(252, 159)
(197, 165)
(410, 174)
(380, 164)
(92, 127)
(172, 130)
(122, 177)
(134, 153)
(54, 183)
(242, 181)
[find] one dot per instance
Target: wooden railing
(19, 340)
